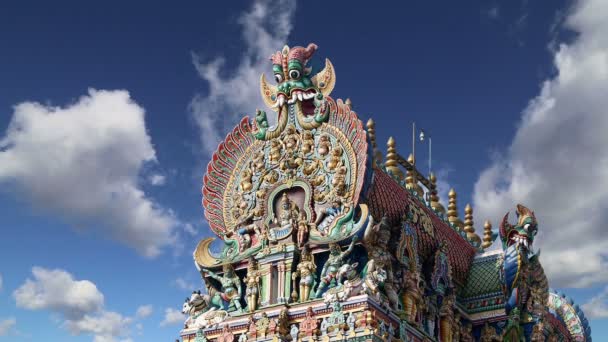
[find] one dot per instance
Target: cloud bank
(83, 162)
(557, 163)
(78, 302)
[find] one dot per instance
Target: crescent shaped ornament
(203, 256)
(325, 80)
(269, 93)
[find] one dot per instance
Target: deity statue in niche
(288, 211)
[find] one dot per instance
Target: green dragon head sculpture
(522, 234)
(297, 91)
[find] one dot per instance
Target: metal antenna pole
(414, 141)
(430, 142)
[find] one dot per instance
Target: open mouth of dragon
(304, 97)
(519, 239)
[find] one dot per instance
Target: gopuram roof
(322, 236)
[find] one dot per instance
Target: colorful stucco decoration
(322, 238)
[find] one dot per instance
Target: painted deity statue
(411, 295)
(252, 283)
(305, 270)
(329, 273)
(302, 236)
(446, 316)
(288, 213)
(376, 240)
(231, 286)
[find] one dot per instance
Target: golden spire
(391, 160)
(411, 181)
(371, 131)
(468, 225)
(435, 204)
(453, 210)
(487, 235)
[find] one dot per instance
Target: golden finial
(371, 131)
(487, 235)
(468, 225)
(391, 160)
(453, 210)
(411, 182)
(435, 204)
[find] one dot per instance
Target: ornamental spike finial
(487, 235)
(453, 210)
(434, 197)
(392, 167)
(411, 181)
(468, 225)
(371, 132)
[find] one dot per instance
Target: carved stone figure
(308, 142)
(339, 181)
(253, 285)
(305, 270)
(335, 159)
(332, 265)
(309, 325)
(376, 241)
(231, 287)
(411, 295)
(324, 145)
(288, 213)
(226, 336)
(283, 322)
(302, 236)
(446, 316)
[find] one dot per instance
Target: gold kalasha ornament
(453, 211)
(411, 181)
(371, 132)
(434, 197)
(487, 235)
(392, 166)
(468, 225)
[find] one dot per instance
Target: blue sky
(109, 111)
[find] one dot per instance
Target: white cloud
(104, 326)
(6, 325)
(56, 290)
(157, 179)
(83, 161)
(265, 28)
(172, 317)
(557, 164)
(183, 284)
(597, 307)
(144, 311)
(78, 302)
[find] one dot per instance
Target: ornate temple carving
(321, 238)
